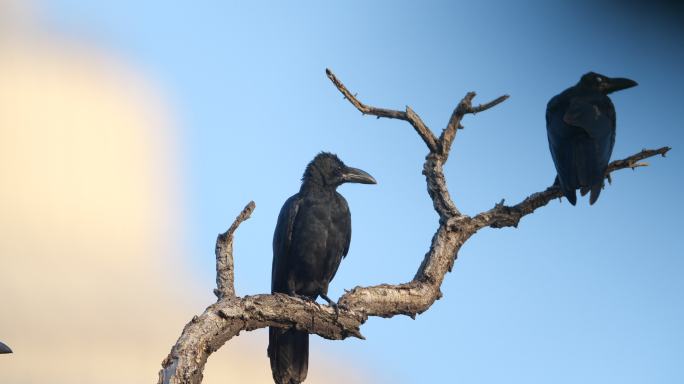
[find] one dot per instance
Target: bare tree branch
(504, 216)
(224, 320)
(422, 130)
(225, 272)
(231, 315)
(437, 187)
(463, 108)
(633, 161)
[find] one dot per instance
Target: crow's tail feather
(595, 192)
(289, 354)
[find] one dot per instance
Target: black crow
(310, 240)
(580, 123)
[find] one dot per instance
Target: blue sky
(575, 294)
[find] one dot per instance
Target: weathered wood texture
(231, 315)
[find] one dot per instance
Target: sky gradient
(575, 294)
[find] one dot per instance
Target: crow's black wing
(282, 239)
(338, 240)
(561, 137)
(596, 116)
(345, 227)
(288, 350)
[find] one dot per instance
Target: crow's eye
(599, 79)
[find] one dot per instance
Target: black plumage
(580, 124)
(311, 238)
(4, 348)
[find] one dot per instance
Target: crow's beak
(355, 175)
(4, 348)
(618, 84)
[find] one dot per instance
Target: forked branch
(231, 315)
(420, 127)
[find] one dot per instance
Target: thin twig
(486, 106)
(632, 161)
(410, 116)
(463, 108)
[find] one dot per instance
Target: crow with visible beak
(311, 238)
(580, 124)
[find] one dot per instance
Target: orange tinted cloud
(91, 268)
(84, 212)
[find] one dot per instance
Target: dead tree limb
(231, 314)
(225, 273)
